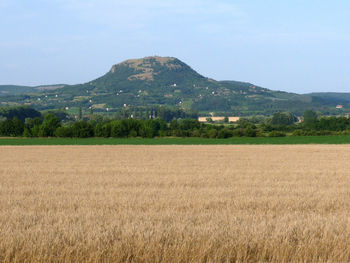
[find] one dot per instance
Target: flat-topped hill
(169, 81)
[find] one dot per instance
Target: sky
(290, 45)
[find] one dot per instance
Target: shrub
(117, 129)
(249, 132)
(163, 133)
(276, 134)
(224, 133)
(82, 129)
(238, 132)
(49, 126)
(27, 133)
(212, 133)
(196, 133)
(64, 132)
(133, 133)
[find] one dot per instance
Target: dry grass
(175, 204)
(146, 66)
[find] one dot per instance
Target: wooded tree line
(50, 125)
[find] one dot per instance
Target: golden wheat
(175, 204)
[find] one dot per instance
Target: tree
(17, 127)
(33, 126)
(27, 133)
(283, 119)
(60, 114)
(212, 133)
(30, 123)
(80, 116)
(20, 112)
(147, 129)
(117, 129)
(82, 129)
(6, 128)
(310, 118)
(64, 132)
(174, 124)
(189, 124)
(49, 126)
(224, 133)
(249, 132)
(103, 130)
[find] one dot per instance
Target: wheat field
(175, 203)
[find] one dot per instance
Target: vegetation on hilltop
(155, 81)
(9, 90)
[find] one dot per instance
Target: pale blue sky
(291, 45)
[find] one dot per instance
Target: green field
(179, 141)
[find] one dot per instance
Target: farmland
(332, 139)
(203, 203)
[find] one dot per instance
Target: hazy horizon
(297, 47)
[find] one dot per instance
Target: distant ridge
(168, 81)
(17, 90)
(336, 97)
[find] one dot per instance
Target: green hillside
(333, 97)
(6, 90)
(169, 81)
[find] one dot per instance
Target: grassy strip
(178, 141)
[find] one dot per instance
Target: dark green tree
(310, 119)
(17, 127)
(49, 126)
(6, 128)
(80, 114)
(82, 129)
(117, 129)
(283, 119)
(64, 131)
(250, 132)
(20, 112)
